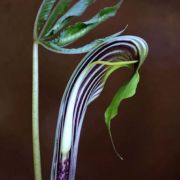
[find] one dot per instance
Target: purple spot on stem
(63, 170)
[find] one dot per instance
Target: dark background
(147, 130)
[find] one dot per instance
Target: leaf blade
(126, 91)
(42, 15)
(59, 9)
(77, 10)
(74, 32)
(83, 49)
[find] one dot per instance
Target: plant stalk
(35, 114)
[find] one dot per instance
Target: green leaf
(126, 91)
(74, 32)
(112, 66)
(59, 9)
(50, 45)
(77, 10)
(42, 16)
(129, 88)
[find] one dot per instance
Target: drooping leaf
(126, 91)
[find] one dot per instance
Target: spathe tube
(84, 86)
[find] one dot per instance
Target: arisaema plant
(105, 55)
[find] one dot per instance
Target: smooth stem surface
(35, 115)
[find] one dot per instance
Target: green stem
(35, 115)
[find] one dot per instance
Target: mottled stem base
(63, 170)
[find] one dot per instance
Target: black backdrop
(147, 130)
